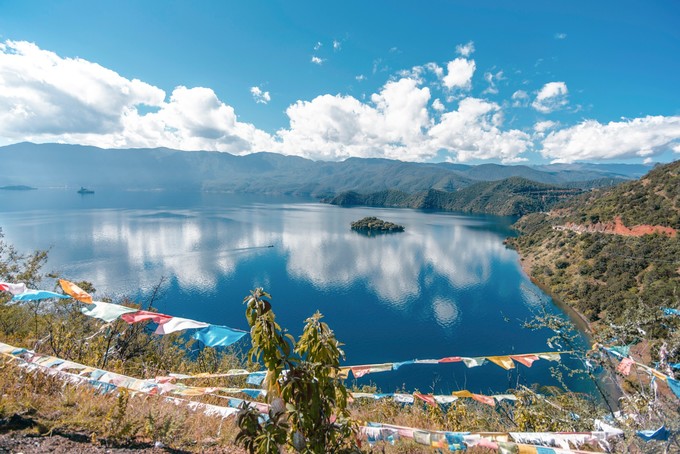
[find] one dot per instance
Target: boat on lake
(84, 190)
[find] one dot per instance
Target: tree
(308, 401)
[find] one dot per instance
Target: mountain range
(73, 166)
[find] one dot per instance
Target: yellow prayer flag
(504, 361)
(343, 373)
(76, 292)
(463, 393)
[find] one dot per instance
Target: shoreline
(583, 325)
(580, 320)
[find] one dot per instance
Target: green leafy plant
(308, 401)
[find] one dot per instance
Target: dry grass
(41, 404)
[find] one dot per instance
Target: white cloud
(360, 77)
(473, 132)
(337, 127)
(491, 79)
(465, 49)
(41, 93)
(317, 61)
(417, 72)
(460, 73)
(560, 36)
(318, 45)
(46, 98)
(543, 126)
(438, 105)
(551, 97)
(260, 97)
(520, 98)
(590, 140)
(337, 45)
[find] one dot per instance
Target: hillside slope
(509, 197)
(593, 253)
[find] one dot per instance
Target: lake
(447, 286)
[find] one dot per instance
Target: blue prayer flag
(33, 295)
(218, 336)
(674, 385)
(660, 434)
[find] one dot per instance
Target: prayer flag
(624, 366)
(451, 359)
(360, 371)
(427, 398)
(34, 295)
(484, 399)
(550, 356)
(14, 289)
(504, 361)
(660, 434)
(75, 291)
(178, 324)
(674, 385)
(462, 393)
(474, 362)
(527, 360)
(218, 336)
(140, 316)
(106, 311)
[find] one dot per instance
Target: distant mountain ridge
(59, 165)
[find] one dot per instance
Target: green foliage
(308, 402)
(373, 224)
(510, 197)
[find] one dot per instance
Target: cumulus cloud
(543, 126)
(465, 49)
(260, 97)
(317, 60)
(459, 75)
(337, 127)
(438, 105)
(360, 77)
(337, 45)
(41, 93)
(551, 97)
(473, 132)
(418, 72)
(47, 98)
(590, 139)
(318, 45)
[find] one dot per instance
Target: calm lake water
(447, 286)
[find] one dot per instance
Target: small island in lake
(373, 224)
(19, 187)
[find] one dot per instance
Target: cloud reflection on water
(128, 250)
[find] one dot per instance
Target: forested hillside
(513, 196)
(619, 277)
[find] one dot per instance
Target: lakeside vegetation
(513, 196)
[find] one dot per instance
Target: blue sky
(463, 81)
